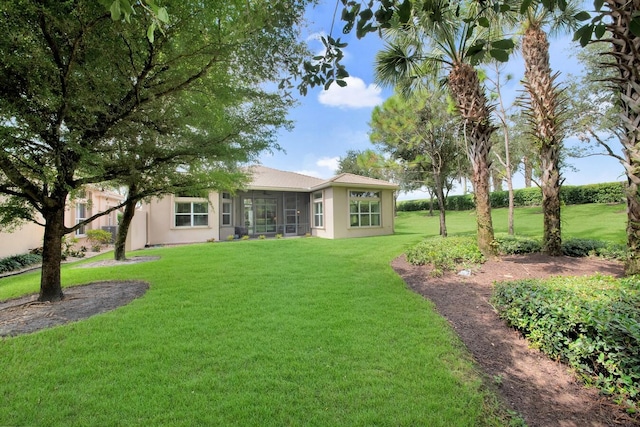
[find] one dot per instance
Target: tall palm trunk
(475, 111)
(626, 56)
(544, 115)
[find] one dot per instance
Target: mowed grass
(592, 221)
(263, 333)
(248, 333)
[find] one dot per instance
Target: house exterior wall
(95, 201)
(137, 234)
(21, 240)
(31, 235)
(161, 221)
(340, 215)
(328, 231)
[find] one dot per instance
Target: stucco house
(87, 202)
(276, 203)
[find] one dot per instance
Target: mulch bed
(544, 392)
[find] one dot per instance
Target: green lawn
(592, 221)
(262, 332)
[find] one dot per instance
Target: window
(318, 210)
(192, 214)
(364, 208)
(81, 215)
(227, 218)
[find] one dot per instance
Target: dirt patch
(113, 262)
(542, 391)
(26, 314)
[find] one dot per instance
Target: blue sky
(329, 123)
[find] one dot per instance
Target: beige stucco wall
(336, 219)
(161, 228)
(327, 231)
(137, 234)
(21, 240)
(30, 235)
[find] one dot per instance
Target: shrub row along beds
(18, 262)
(590, 323)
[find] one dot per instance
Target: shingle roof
(273, 179)
(350, 179)
(265, 178)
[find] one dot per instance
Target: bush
(592, 323)
(446, 253)
(587, 247)
(460, 203)
(512, 245)
(610, 192)
(99, 237)
(18, 262)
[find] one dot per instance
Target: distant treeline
(610, 192)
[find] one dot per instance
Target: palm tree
(544, 110)
(625, 55)
(439, 39)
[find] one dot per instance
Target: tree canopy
(86, 99)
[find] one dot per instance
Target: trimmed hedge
(611, 192)
(591, 323)
(18, 262)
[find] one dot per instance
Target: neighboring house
(87, 203)
(276, 202)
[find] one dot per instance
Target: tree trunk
(123, 230)
(552, 237)
(528, 172)
(627, 64)
(50, 283)
(497, 180)
(441, 208)
(472, 105)
(632, 264)
(511, 230)
(546, 120)
(483, 209)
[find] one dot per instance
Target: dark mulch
(544, 392)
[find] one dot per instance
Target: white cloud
(327, 165)
(356, 94)
(329, 162)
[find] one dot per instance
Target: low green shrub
(18, 262)
(591, 323)
(587, 247)
(99, 237)
(512, 245)
(446, 253)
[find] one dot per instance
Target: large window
(364, 208)
(318, 210)
(227, 218)
(192, 214)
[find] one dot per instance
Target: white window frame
(361, 214)
(81, 205)
(226, 211)
(318, 202)
(192, 214)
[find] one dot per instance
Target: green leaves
(123, 9)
